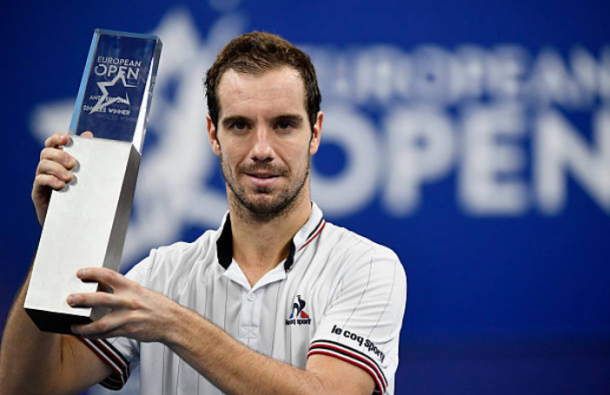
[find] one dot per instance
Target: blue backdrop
(472, 138)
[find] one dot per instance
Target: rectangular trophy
(87, 220)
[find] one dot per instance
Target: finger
(59, 156)
(57, 140)
(111, 323)
(87, 134)
(96, 299)
(102, 275)
(42, 181)
(55, 169)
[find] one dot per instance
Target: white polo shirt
(337, 294)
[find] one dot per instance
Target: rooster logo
(297, 309)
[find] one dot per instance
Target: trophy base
(49, 321)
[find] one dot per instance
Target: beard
(260, 204)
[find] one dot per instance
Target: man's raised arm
(35, 362)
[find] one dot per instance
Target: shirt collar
(313, 226)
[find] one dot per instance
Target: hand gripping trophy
(87, 220)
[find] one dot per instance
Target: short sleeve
(362, 322)
(120, 354)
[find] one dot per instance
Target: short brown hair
(256, 53)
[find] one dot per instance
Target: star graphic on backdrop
(105, 100)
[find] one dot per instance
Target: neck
(259, 244)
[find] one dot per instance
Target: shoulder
(180, 253)
(175, 263)
(344, 242)
(356, 256)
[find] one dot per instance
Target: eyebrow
(294, 119)
(227, 122)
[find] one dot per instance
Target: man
(275, 301)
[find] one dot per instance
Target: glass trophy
(86, 222)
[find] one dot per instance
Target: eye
(284, 125)
(239, 126)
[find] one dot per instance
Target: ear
(314, 144)
(212, 135)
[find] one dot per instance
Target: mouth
(263, 176)
(262, 179)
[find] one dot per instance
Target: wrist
(177, 327)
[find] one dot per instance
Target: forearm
(231, 366)
(148, 316)
(28, 356)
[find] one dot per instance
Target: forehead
(275, 91)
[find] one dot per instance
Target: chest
(277, 319)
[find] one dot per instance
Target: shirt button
(251, 297)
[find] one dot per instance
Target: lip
(262, 179)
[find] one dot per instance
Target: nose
(262, 151)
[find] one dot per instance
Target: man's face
(264, 140)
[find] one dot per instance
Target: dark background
(497, 303)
